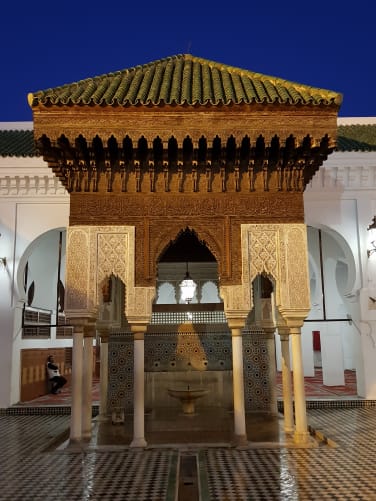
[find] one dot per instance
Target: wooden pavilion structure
(179, 143)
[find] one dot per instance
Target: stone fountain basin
(187, 397)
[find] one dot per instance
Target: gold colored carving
(112, 251)
(237, 300)
(297, 265)
(110, 209)
(279, 250)
(165, 121)
(77, 269)
(95, 253)
(139, 304)
(159, 218)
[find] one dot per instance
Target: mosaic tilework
(257, 392)
(188, 351)
(344, 473)
(120, 372)
(174, 352)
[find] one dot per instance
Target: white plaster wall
(31, 204)
(48, 216)
(341, 199)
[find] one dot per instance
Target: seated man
(54, 375)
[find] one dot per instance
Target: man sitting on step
(58, 381)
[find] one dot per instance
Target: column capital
(138, 331)
(294, 317)
(80, 322)
(89, 330)
(104, 330)
(269, 333)
(236, 323)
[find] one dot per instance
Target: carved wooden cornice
(224, 164)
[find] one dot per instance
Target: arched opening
(42, 324)
(188, 345)
(187, 256)
(330, 340)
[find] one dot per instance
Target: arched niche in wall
(332, 271)
(42, 268)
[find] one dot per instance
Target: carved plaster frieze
(139, 304)
(237, 300)
(279, 251)
(112, 251)
(113, 208)
(93, 254)
(77, 276)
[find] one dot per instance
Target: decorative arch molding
(95, 253)
(203, 233)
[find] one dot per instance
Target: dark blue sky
(325, 44)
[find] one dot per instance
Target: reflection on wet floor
(210, 425)
(31, 469)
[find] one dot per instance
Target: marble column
(103, 381)
(138, 387)
(272, 370)
(76, 384)
(301, 434)
(240, 433)
(288, 411)
(87, 382)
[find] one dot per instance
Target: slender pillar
(138, 388)
(301, 434)
(238, 386)
(103, 382)
(286, 381)
(272, 371)
(76, 409)
(87, 382)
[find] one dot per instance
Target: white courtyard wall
(32, 202)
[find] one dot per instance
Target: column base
(86, 437)
(138, 442)
(302, 437)
(240, 440)
(75, 445)
(288, 429)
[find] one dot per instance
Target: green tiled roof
(184, 79)
(356, 138)
(17, 143)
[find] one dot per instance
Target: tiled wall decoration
(189, 351)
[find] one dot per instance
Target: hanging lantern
(187, 288)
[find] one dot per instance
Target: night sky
(327, 45)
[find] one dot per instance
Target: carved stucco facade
(93, 254)
(96, 252)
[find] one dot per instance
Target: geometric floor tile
(31, 470)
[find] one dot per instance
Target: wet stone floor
(35, 465)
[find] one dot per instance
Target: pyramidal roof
(183, 80)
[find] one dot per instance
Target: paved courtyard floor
(35, 465)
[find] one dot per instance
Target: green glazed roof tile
(356, 138)
(17, 143)
(184, 80)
